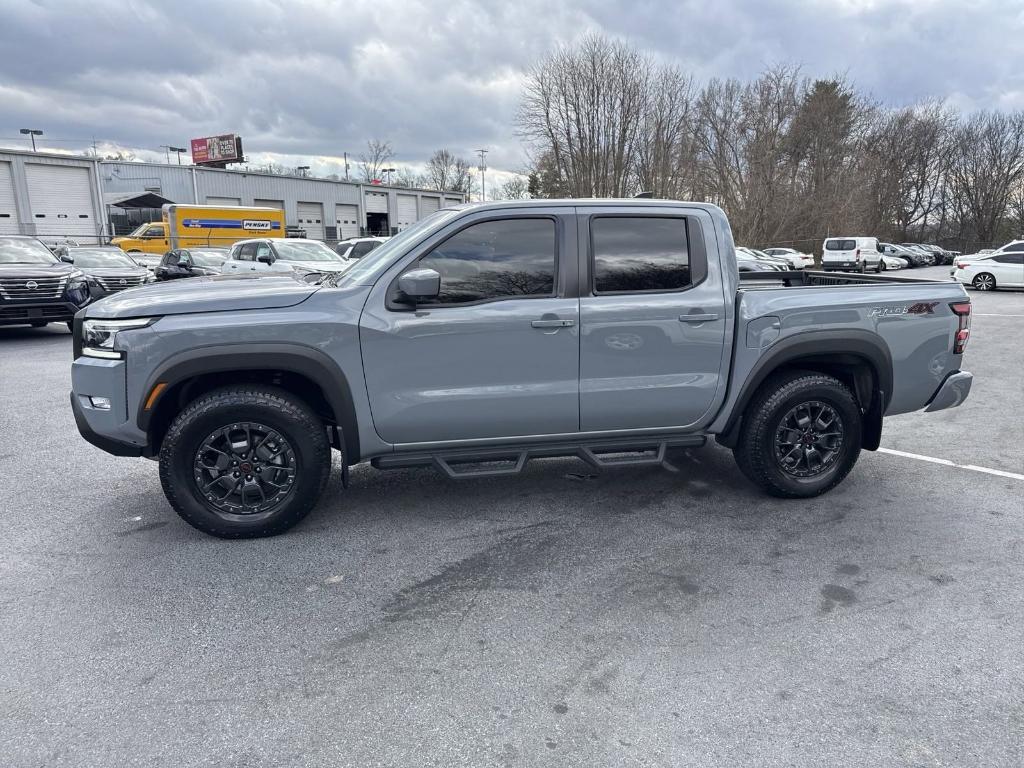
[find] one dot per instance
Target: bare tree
(378, 154)
(986, 168)
(446, 171)
(514, 188)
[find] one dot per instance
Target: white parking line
(948, 463)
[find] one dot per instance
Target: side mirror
(65, 257)
(420, 284)
(265, 258)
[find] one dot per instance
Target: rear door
(497, 354)
(1009, 267)
(652, 318)
(840, 253)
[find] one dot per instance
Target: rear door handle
(552, 323)
(698, 318)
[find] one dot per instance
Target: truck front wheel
(245, 461)
(801, 435)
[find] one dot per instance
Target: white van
(851, 254)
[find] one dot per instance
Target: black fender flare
(822, 347)
(285, 357)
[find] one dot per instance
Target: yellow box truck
(192, 226)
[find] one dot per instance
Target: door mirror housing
(265, 258)
(420, 284)
(65, 257)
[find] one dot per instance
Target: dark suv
(36, 287)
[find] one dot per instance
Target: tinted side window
(496, 259)
(636, 253)
(155, 232)
(361, 249)
(262, 250)
(1015, 248)
(1009, 258)
(246, 252)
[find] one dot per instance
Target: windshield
(101, 257)
(304, 251)
(210, 258)
(139, 230)
(17, 251)
(372, 265)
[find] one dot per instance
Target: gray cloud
(313, 79)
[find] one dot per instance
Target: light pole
(483, 174)
(388, 171)
(33, 132)
(303, 170)
(177, 151)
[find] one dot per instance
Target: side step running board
(459, 464)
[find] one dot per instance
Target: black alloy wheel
(809, 438)
(244, 470)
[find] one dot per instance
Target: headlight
(150, 277)
(98, 336)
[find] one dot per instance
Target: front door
(652, 318)
(497, 353)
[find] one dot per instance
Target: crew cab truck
(486, 335)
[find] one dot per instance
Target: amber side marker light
(154, 394)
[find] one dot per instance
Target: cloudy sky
(303, 82)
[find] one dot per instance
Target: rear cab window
(632, 254)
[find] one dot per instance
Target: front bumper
(107, 428)
(19, 313)
(952, 392)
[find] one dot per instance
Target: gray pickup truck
(487, 335)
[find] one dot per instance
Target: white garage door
(8, 207)
(406, 211)
(62, 202)
(429, 204)
(346, 219)
(452, 201)
(278, 204)
(376, 202)
(311, 219)
(223, 200)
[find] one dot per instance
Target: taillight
(961, 266)
(962, 310)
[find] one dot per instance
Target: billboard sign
(217, 149)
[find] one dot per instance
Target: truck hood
(205, 294)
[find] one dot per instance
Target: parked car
(763, 257)
(191, 262)
(357, 247)
(856, 254)
(484, 336)
(893, 262)
(1003, 268)
(913, 256)
(747, 263)
(939, 256)
(796, 259)
(107, 269)
(283, 255)
(36, 287)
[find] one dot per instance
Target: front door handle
(698, 318)
(552, 323)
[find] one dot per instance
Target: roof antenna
(646, 193)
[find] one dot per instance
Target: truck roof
(638, 202)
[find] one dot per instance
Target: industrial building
(54, 196)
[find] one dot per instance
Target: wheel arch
(859, 359)
(306, 372)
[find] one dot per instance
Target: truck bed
(807, 278)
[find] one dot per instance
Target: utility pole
(346, 165)
(483, 173)
(167, 152)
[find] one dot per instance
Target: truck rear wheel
(801, 435)
(245, 462)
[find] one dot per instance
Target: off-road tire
(271, 406)
(755, 452)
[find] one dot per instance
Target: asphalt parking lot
(637, 618)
